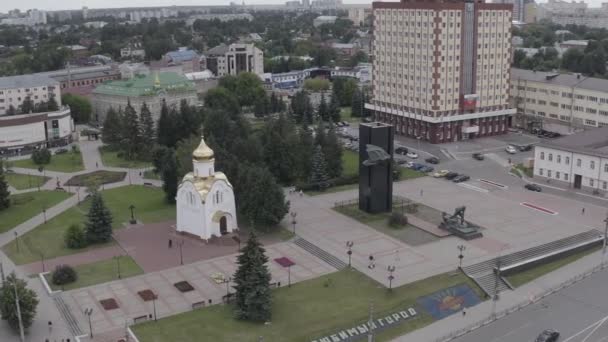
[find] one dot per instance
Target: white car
(511, 150)
(412, 155)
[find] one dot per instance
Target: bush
(397, 219)
(74, 237)
(41, 157)
(64, 274)
(411, 208)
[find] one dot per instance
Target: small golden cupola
(156, 81)
(202, 153)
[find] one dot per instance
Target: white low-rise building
(15, 89)
(579, 160)
(27, 131)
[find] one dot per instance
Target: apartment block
(235, 58)
(441, 68)
(15, 89)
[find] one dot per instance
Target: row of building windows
(566, 94)
(564, 176)
(579, 162)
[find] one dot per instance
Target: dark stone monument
(375, 167)
(460, 227)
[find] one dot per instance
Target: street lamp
(17, 240)
(154, 298)
(349, 245)
(133, 221)
(390, 270)
(181, 253)
(42, 261)
(44, 213)
(117, 258)
(461, 248)
(289, 275)
(293, 220)
(88, 312)
(227, 281)
(605, 241)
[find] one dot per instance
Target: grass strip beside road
(66, 162)
(22, 182)
(112, 159)
(27, 205)
(305, 311)
(100, 272)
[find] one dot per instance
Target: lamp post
(117, 258)
(390, 270)
(227, 281)
(17, 240)
(42, 261)
(461, 248)
(154, 298)
(605, 241)
(293, 220)
(88, 312)
(44, 213)
(181, 253)
(289, 276)
(349, 245)
(133, 221)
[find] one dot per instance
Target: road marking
(541, 209)
(601, 321)
(594, 330)
(473, 187)
(502, 186)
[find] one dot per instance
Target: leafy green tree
(246, 86)
(261, 106)
(148, 133)
(98, 227)
(27, 106)
(80, 107)
(334, 109)
(323, 110)
(169, 177)
(221, 98)
(304, 153)
(261, 198)
(183, 154)
(131, 134)
(316, 84)
(111, 133)
(11, 110)
(28, 302)
(63, 274)
(332, 150)
(41, 156)
(357, 104)
(167, 126)
(75, 237)
(344, 88)
(319, 177)
(279, 141)
(571, 59)
(252, 283)
(5, 200)
(189, 121)
(159, 154)
(52, 104)
(301, 107)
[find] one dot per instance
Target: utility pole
(370, 334)
(21, 332)
(605, 241)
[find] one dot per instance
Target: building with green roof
(151, 89)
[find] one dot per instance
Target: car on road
(451, 175)
(461, 178)
(510, 149)
(478, 156)
(548, 335)
(426, 168)
(61, 151)
(416, 166)
(412, 155)
(440, 173)
(432, 160)
(533, 187)
(401, 150)
(524, 148)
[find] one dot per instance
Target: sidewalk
(94, 255)
(531, 291)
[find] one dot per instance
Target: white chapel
(205, 199)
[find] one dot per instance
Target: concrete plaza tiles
(170, 300)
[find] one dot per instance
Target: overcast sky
(6, 5)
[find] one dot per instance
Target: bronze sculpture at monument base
(457, 225)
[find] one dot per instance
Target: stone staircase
(483, 272)
(319, 253)
(66, 313)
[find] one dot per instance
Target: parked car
(345, 124)
(478, 156)
(432, 160)
(510, 149)
(533, 187)
(412, 155)
(451, 175)
(61, 151)
(441, 173)
(401, 150)
(401, 161)
(416, 166)
(426, 168)
(548, 335)
(525, 148)
(461, 178)
(409, 164)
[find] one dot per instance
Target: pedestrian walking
(301, 193)
(583, 211)
(464, 312)
(421, 192)
(96, 164)
(170, 243)
(372, 265)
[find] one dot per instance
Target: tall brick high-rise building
(441, 68)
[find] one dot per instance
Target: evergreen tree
(301, 107)
(167, 130)
(280, 141)
(261, 200)
(52, 104)
(323, 110)
(111, 133)
(169, 177)
(131, 134)
(98, 228)
(261, 106)
(318, 173)
(304, 152)
(5, 201)
(28, 302)
(334, 109)
(27, 106)
(252, 283)
(11, 110)
(148, 133)
(274, 103)
(333, 154)
(320, 137)
(356, 107)
(188, 121)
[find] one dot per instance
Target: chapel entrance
(223, 226)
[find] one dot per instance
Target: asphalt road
(579, 313)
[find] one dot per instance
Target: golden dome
(202, 152)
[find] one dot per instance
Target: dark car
(548, 335)
(426, 168)
(478, 156)
(451, 175)
(401, 150)
(525, 148)
(61, 151)
(432, 160)
(461, 178)
(533, 187)
(416, 166)
(401, 161)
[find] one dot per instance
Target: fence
(398, 202)
(517, 307)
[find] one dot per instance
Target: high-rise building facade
(441, 68)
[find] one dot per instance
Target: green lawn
(27, 205)
(110, 158)
(96, 177)
(150, 174)
(407, 173)
(21, 182)
(527, 171)
(67, 162)
(150, 207)
(350, 162)
(527, 276)
(346, 115)
(306, 311)
(100, 272)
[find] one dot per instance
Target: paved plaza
(170, 300)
